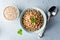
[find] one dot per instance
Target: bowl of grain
(33, 20)
(11, 12)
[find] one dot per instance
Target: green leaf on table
(20, 31)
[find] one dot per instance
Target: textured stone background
(8, 30)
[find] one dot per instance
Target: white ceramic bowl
(41, 30)
(15, 8)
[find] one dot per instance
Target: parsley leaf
(33, 20)
(20, 31)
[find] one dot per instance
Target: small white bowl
(12, 6)
(41, 30)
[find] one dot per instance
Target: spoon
(51, 12)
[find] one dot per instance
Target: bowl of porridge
(33, 20)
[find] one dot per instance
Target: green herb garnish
(20, 31)
(33, 20)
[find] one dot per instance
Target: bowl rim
(42, 12)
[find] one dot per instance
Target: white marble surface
(8, 30)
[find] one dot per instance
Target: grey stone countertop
(8, 30)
